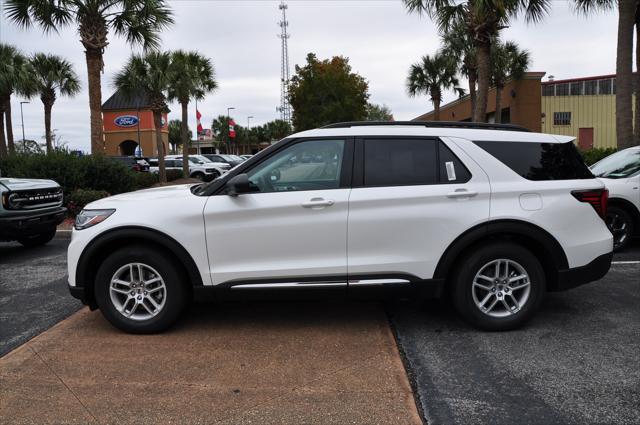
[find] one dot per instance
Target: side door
(411, 198)
(292, 228)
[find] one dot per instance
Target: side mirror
(238, 184)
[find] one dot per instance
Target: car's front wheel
(139, 290)
(499, 286)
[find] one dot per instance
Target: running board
(354, 282)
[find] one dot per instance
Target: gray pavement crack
(64, 383)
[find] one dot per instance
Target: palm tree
(627, 10)
(51, 75)
(483, 19)
(457, 44)
(431, 76)
(150, 75)
(509, 63)
(138, 21)
(194, 77)
(13, 78)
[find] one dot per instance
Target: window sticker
(451, 171)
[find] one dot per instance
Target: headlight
(88, 218)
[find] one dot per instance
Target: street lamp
(248, 128)
(22, 119)
(228, 132)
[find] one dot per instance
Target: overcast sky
(380, 38)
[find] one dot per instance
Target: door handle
(317, 203)
(462, 193)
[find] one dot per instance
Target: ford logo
(126, 121)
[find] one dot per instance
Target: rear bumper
(29, 224)
(577, 276)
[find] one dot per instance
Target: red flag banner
(232, 129)
(198, 116)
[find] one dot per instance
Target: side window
(452, 170)
(400, 162)
(169, 163)
(309, 165)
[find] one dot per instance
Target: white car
(620, 172)
(198, 170)
(201, 160)
(492, 215)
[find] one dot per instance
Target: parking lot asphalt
(33, 291)
(577, 361)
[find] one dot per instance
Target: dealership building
(128, 126)
(580, 107)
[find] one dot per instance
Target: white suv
(491, 215)
(205, 171)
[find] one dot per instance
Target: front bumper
(30, 224)
(577, 276)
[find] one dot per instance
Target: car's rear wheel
(499, 286)
(621, 226)
(139, 290)
(39, 238)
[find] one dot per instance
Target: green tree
(628, 16)
(457, 44)
(431, 76)
(483, 19)
(175, 134)
(277, 130)
(509, 63)
(51, 76)
(327, 91)
(14, 72)
(151, 74)
(194, 76)
(220, 129)
(378, 112)
(138, 21)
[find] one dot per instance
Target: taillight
(598, 198)
(136, 167)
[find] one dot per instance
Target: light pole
(22, 119)
(248, 128)
(228, 129)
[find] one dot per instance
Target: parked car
(204, 172)
(620, 172)
(245, 157)
(30, 211)
(232, 160)
(200, 160)
(135, 163)
(493, 215)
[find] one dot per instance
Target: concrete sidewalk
(235, 363)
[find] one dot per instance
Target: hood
(27, 184)
(173, 193)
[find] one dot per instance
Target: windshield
(195, 160)
(618, 165)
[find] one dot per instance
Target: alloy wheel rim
(501, 288)
(618, 227)
(137, 291)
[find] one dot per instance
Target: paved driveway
(578, 361)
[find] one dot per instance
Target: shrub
(594, 155)
(144, 180)
(174, 175)
(79, 198)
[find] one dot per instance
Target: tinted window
(540, 161)
(400, 162)
(452, 170)
(310, 165)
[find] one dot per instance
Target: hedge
(79, 198)
(596, 154)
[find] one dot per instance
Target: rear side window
(400, 162)
(452, 170)
(540, 161)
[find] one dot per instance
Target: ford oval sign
(126, 121)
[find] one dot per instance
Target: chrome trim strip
(289, 285)
(367, 282)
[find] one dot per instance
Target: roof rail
(431, 124)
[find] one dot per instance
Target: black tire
(39, 238)
(176, 292)
(463, 287)
(199, 176)
(621, 226)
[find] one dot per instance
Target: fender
(552, 251)
(108, 241)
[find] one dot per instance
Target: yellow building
(582, 107)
